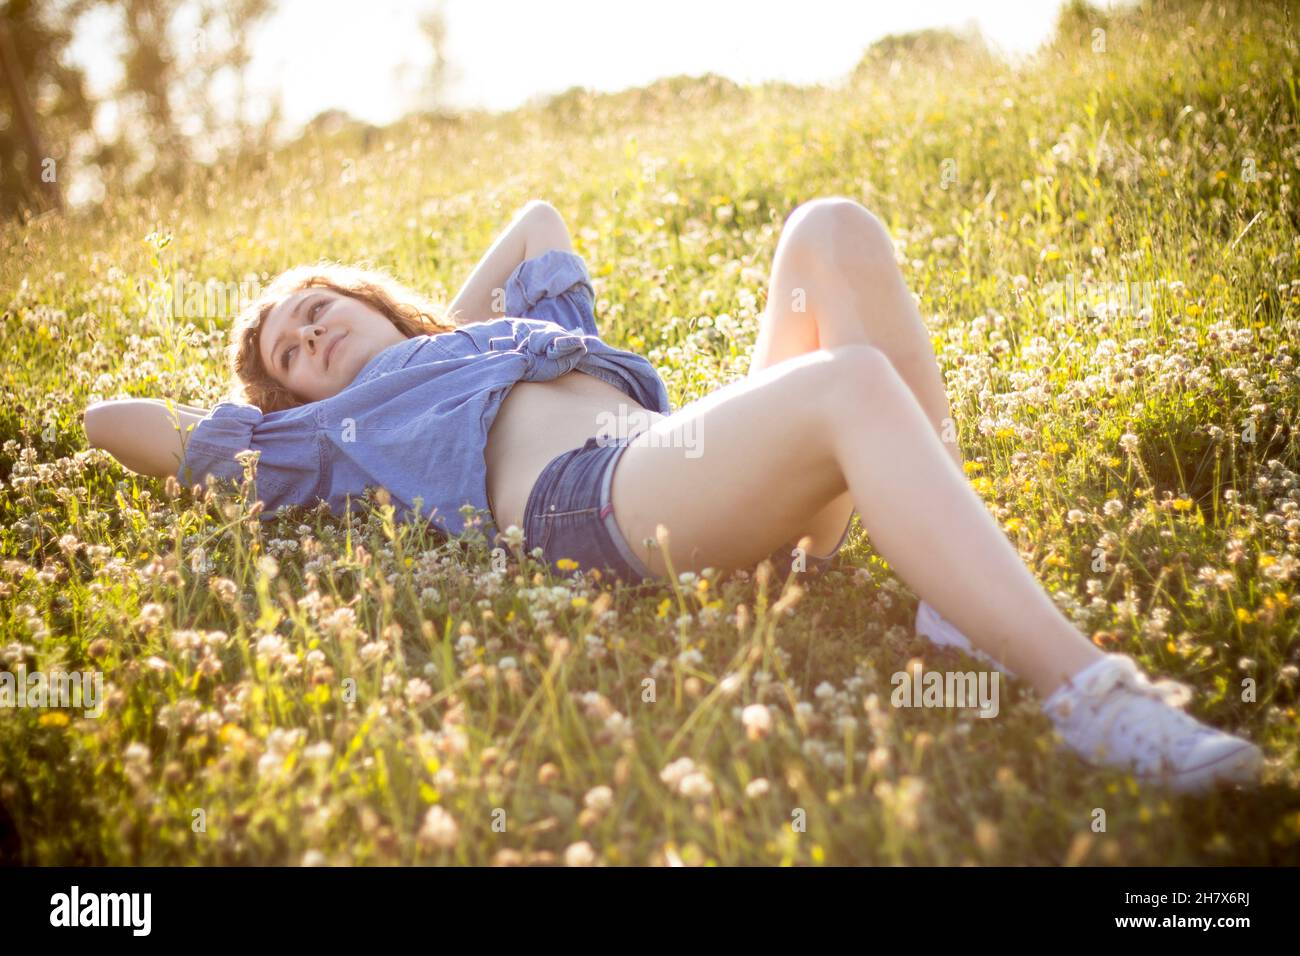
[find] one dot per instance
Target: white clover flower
(757, 720)
(439, 828)
(269, 763)
(695, 786)
(691, 657)
(673, 773)
(271, 648)
(373, 651)
(418, 691)
(321, 750)
(579, 854)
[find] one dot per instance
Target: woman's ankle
(1056, 678)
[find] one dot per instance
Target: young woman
(521, 412)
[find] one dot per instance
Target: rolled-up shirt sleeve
(554, 286)
(290, 468)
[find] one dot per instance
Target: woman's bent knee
(825, 230)
(861, 380)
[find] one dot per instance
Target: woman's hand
(536, 228)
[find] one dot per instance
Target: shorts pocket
(572, 535)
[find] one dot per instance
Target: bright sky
(369, 58)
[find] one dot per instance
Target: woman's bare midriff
(540, 420)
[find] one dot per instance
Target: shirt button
(552, 507)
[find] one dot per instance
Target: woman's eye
(311, 313)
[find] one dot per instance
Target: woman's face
(315, 341)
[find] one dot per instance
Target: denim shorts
(569, 514)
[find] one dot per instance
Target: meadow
(1104, 243)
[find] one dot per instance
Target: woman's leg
(736, 474)
(835, 282)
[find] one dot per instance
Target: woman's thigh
(789, 328)
(737, 473)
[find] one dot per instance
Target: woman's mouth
(330, 350)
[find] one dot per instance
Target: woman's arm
(142, 433)
(536, 228)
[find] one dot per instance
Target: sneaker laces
(1115, 691)
(1124, 672)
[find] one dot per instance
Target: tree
(177, 52)
(45, 102)
(441, 73)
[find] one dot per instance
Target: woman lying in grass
(348, 379)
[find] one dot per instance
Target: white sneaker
(936, 628)
(1111, 712)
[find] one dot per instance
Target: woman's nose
(310, 335)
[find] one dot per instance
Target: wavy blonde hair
(410, 312)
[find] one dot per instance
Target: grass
(343, 689)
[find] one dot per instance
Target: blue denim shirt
(415, 419)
